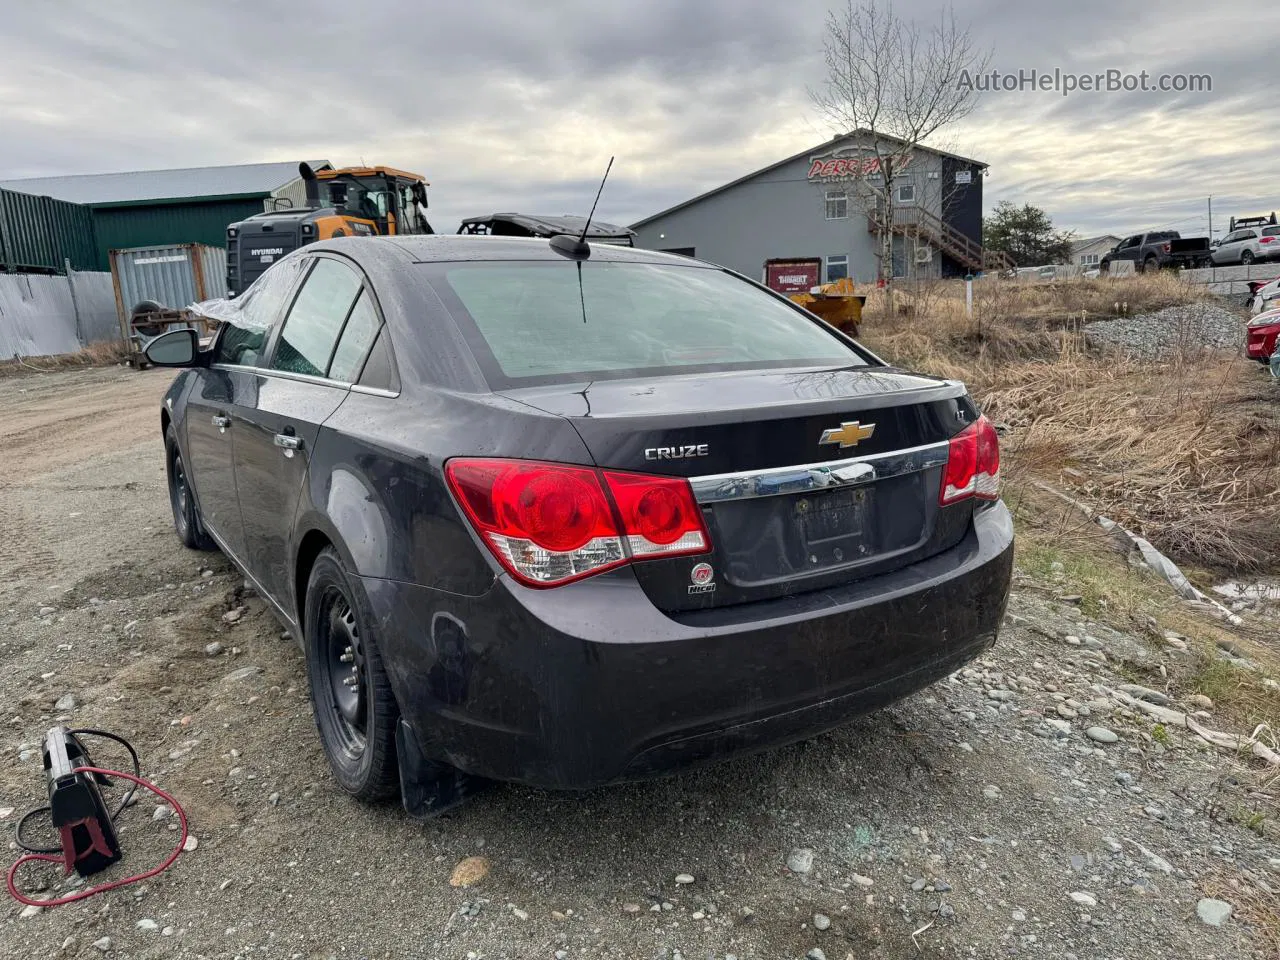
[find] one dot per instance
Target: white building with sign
(810, 206)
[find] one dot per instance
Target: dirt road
(977, 819)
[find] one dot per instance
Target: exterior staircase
(915, 222)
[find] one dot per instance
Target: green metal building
(148, 208)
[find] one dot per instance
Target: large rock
(1213, 912)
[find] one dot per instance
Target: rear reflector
(550, 523)
(973, 464)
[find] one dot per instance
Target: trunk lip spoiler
(830, 474)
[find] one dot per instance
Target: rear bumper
(1260, 342)
(590, 683)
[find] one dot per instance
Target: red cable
(83, 894)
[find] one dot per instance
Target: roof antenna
(576, 248)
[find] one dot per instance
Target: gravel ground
(1011, 811)
(1187, 327)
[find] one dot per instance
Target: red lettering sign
(850, 167)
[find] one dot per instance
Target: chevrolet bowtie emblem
(848, 434)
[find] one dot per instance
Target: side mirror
(177, 348)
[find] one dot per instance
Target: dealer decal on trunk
(702, 576)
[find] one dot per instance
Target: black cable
(133, 754)
(124, 801)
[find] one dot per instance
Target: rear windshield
(551, 322)
(1271, 232)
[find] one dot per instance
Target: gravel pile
(1187, 327)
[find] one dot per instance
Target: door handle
(289, 442)
(221, 422)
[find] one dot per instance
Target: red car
(1264, 329)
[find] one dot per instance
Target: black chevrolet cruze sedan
(569, 516)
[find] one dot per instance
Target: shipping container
(173, 276)
(40, 234)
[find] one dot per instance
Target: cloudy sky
(506, 104)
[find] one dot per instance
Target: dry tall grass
(1185, 451)
(101, 354)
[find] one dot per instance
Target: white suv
(1248, 245)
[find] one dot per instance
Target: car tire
(1150, 265)
(186, 516)
(356, 712)
(1246, 258)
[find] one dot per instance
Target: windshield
(368, 198)
(550, 322)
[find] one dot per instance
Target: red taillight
(550, 523)
(1166, 246)
(1266, 239)
(659, 515)
(973, 464)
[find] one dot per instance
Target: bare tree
(898, 84)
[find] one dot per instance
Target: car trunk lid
(806, 477)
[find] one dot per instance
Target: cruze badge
(676, 453)
(702, 577)
(848, 434)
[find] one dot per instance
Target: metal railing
(958, 246)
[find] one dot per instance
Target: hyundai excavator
(352, 201)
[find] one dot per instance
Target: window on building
(837, 205)
(899, 260)
(906, 192)
(837, 267)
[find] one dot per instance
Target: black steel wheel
(356, 712)
(186, 518)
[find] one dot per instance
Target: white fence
(45, 315)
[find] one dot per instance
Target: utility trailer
(154, 286)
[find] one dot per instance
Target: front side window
(567, 321)
(316, 318)
(837, 268)
(837, 205)
(248, 320)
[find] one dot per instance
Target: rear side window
(311, 331)
(533, 321)
(357, 337)
(249, 319)
(380, 369)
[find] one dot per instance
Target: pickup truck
(1160, 248)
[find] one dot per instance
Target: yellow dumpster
(838, 303)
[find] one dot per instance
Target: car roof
(544, 226)
(442, 248)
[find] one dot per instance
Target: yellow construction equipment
(349, 202)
